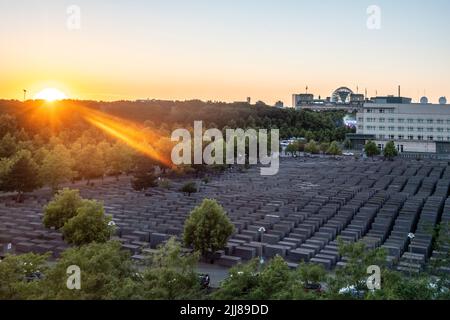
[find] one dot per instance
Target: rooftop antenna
(399, 91)
(357, 89)
(306, 89)
(24, 95)
(365, 93)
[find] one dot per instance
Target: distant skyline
(223, 50)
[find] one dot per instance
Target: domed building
(341, 95)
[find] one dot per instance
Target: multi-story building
(414, 127)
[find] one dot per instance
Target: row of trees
(389, 152)
(313, 147)
(170, 273)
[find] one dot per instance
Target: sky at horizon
(223, 50)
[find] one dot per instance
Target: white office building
(414, 127)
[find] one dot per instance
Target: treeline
(107, 273)
(324, 126)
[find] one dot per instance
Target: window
(382, 128)
(360, 127)
(381, 136)
(391, 111)
(440, 121)
(401, 137)
(410, 120)
(391, 120)
(391, 137)
(391, 129)
(430, 138)
(401, 128)
(440, 129)
(448, 121)
(361, 119)
(382, 111)
(401, 120)
(430, 129)
(420, 138)
(430, 121)
(381, 120)
(419, 120)
(411, 129)
(420, 129)
(369, 110)
(410, 137)
(440, 138)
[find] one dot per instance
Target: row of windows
(380, 110)
(392, 120)
(410, 137)
(409, 129)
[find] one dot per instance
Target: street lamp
(411, 237)
(261, 258)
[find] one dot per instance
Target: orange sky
(227, 51)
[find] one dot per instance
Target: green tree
(390, 152)
(119, 158)
(106, 273)
(143, 175)
(8, 124)
(274, 281)
(311, 274)
(292, 149)
(22, 176)
(371, 149)
(334, 149)
(63, 207)
(324, 146)
(56, 167)
(248, 282)
(189, 188)
(208, 228)
(397, 286)
(89, 163)
(243, 279)
(311, 147)
(90, 224)
(354, 273)
(8, 146)
(18, 274)
(171, 274)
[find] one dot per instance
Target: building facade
(414, 127)
(342, 98)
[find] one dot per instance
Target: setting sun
(50, 94)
